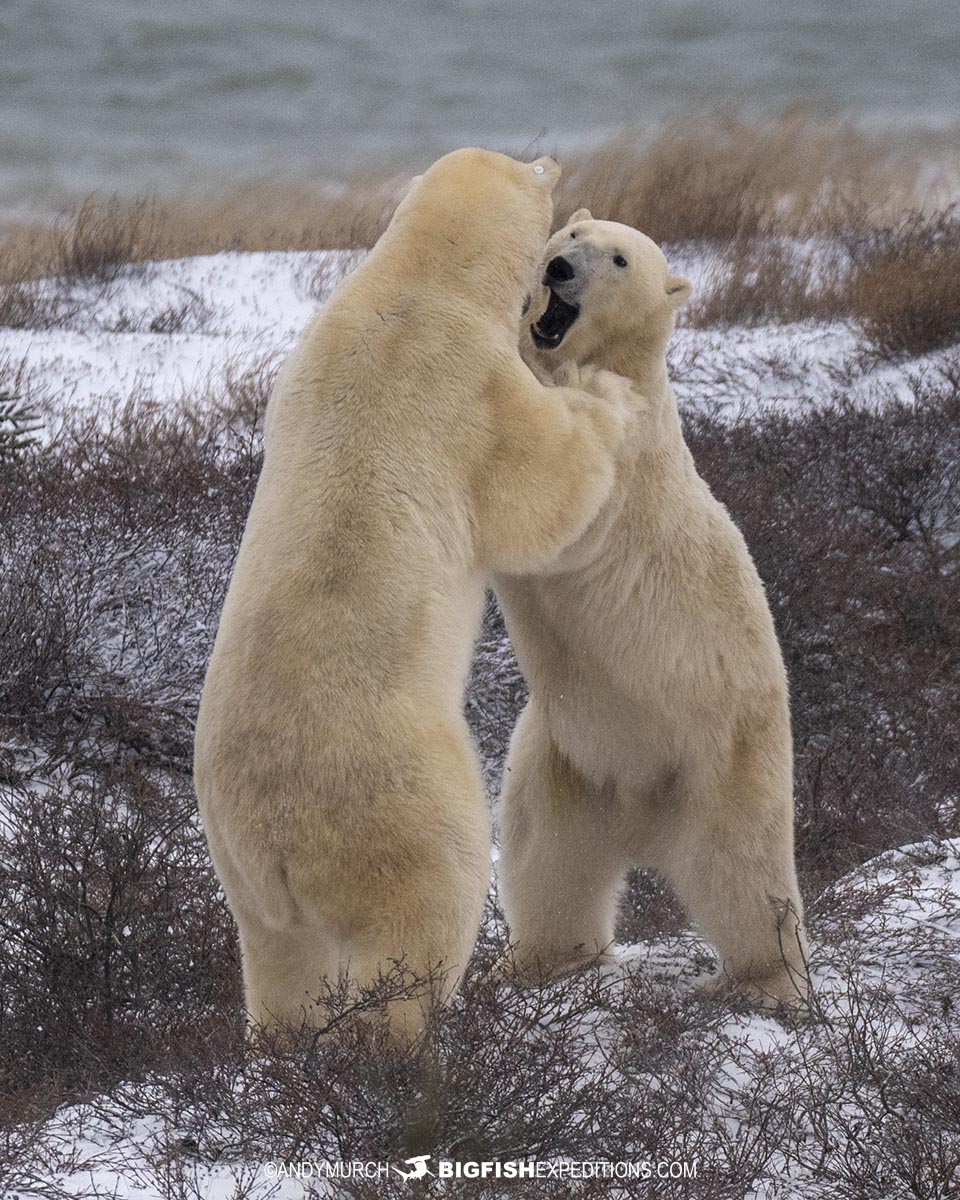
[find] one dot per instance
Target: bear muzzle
(559, 270)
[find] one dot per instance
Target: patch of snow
(737, 372)
(108, 1153)
(111, 346)
(237, 307)
(907, 905)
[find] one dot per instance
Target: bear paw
(783, 989)
(538, 971)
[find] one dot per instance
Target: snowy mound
(876, 995)
(166, 333)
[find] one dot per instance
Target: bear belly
(607, 735)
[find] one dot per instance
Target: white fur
(658, 729)
(410, 452)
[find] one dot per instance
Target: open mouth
(552, 327)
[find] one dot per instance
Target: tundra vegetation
(121, 1044)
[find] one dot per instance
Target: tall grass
(713, 177)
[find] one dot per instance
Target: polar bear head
(603, 282)
(477, 221)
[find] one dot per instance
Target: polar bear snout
(567, 275)
(559, 270)
(563, 285)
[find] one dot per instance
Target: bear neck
(485, 278)
(637, 360)
(642, 358)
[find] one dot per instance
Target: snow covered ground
(166, 333)
(163, 333)
(875, 977)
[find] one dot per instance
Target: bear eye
(573, 233)
(619, 260)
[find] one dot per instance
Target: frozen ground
(876, 978)
(166, 335)
(167, 332)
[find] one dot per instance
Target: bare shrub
(114, 936)
(242, 404)
(496, 692)
(884, 1113)
(28, 305)
(762, 279)
(99, 535)
(905, 288)
(103, 236)
(18, 427)
(119, 981)
(318, 281)
(648, 909)
(899, 283)
(899, 469)
(504, 1073)
(864, 607)
(190, 316)
(232, 405)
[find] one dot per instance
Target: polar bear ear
(582, 214)
(678, 290)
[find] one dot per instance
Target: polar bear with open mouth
(657, 733)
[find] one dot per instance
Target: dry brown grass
(900, 283)
(234, 402)
(21, 307)
(104, 234)
(721, 177)
(905, 286)
(757, 280)
(884, 255)
(714, 177)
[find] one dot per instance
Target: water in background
(123, 95)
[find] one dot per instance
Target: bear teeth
(552, 327)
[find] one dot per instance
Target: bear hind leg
(285, 971)
(732, 867)
(415, 923)
(560, 874)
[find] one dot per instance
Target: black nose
(558, 269)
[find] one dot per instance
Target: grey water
(126, 95)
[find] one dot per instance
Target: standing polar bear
(409, 454)
(658, 728)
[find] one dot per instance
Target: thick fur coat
(409, 453)
(658, 728)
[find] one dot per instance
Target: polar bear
(409, 454)
(657, 733)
